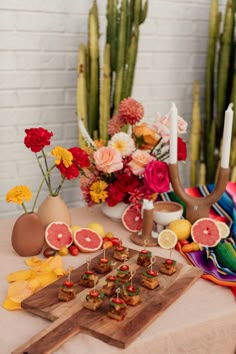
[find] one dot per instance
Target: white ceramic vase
(114, 212)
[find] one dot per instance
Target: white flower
(123, 143)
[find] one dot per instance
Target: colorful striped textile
(223, 210)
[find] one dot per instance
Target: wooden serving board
(70, 317)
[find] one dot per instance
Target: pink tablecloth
(201, 321)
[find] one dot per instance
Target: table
(201, 321)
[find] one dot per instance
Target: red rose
(80, 157)
(37, 138)
(156, 177)
(182, 150)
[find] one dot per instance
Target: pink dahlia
(130, 111)
(114, 125)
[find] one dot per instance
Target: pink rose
(108, 160)
(161, 126)
(156, 177)
(140, 158)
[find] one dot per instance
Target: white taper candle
(227, 134)
(173, 133)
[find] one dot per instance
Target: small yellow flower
(97, 192)
(62, 155)
(19, 195)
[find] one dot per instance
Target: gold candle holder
(197, 208)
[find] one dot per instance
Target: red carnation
(80, 157)
(68, 172)
(37, 138)
(130, 111)
(182, 150)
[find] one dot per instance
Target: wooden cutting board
(70, 317)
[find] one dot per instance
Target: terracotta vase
(114, 212)
(54, 209)
(28, 235)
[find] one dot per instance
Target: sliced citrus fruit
(87, 240)
(182, 228)
(58, 234)
(206, 232)
(224, 229)
(167, 239)
(132, 218)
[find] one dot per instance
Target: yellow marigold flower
(62, 155)
(97, 192)
(19, 195)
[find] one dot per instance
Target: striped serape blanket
(223, 210)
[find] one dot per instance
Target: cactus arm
(223, 68)
(94, 68)
(214, 25)
(195, 135)
(105, 95)
(144, 12)
(133, 49)
(82, 91)
(211, 158)
(121, 55)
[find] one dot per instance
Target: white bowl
(165, 212)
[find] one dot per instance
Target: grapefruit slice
(206, 232)
(167, 239)
(132, 218)
(87, 240)
(58, 235)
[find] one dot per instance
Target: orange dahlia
(130, 111)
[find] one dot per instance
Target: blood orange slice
(87, 240)
(205, 232)
(132, 218)
(58, 235)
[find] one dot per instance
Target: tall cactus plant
(105, 89)
(220, 88)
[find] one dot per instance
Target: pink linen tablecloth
(201, 321)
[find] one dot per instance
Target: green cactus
(223, 68)
(82, 90)
(93, 69)
(122, 35)
(104, 112)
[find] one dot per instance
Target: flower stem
(24, 207)
(41, 168)
(46, 165)
(60, 185)
(40, 186)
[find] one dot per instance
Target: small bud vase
(54, 209)
(28, 235)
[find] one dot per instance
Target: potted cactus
(99, 93)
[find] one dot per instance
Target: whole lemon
(181, 227)
(97, 228)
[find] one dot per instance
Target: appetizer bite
(168, 267)
(110, 287)
(66, 291)
(150, 279)
(88, 279)
(117, 309)
(93, 300)
(121, 253)
(103, 265)
(123, 273)
(130, 294)
(144, 258)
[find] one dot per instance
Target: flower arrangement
(69, 162)
(132, 165)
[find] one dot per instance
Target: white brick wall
(39, 41)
